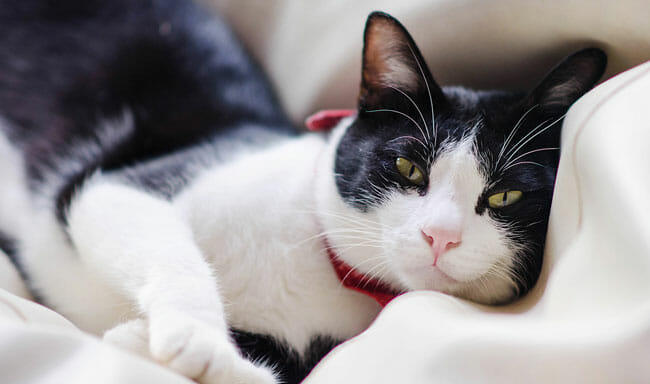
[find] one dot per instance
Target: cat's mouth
(443, 276)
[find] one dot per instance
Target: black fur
(365, 160)
(177, 70)
(291, 366)
(180, 78)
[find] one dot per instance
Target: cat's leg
(140, 245)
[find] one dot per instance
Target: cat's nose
(441, 240)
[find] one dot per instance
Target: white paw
(132, 335)
(202, 352)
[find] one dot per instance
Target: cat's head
(448, 189)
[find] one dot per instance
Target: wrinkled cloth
(588, 319)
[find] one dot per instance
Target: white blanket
(588, 320)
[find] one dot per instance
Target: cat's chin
(430, 279)
(492, 292)
(482, 291)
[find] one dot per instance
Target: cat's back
(171, 69)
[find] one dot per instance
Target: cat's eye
(409, 170)
(503, 199)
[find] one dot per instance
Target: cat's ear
(392, 64)
(569, 80)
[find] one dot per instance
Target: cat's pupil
(411, 170)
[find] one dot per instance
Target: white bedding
(588, 320)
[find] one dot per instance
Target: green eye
(503, 199)
(407, 169)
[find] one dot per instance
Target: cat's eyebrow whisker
(517, 146)
(512, 133)
(399, 113)
(523, 162)
(539, 132)
(410, 137)
(426, 83)
(416, 107)
(529, 153)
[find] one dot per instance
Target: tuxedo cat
(155, 191)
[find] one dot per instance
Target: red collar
(350, 278)
(327, 119)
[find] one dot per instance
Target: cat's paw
(132, 335)
(202, 352)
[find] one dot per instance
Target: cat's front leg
(142, 248)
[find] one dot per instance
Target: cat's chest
(254, 221)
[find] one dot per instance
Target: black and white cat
(154, 188)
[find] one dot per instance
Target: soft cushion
(312, 50)
(588, 320)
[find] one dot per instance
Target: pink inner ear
(327, 119)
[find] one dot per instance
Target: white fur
(255, 222)
(242, 246)
(213, 256)
(386, 242)
(15, 207)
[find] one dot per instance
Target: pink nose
(441, 240)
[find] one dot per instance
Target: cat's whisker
(519, 146)
(521, 163)
(355, 220)
(399, 113)
(512, 134)
(341, 234)
(351, 231)
(363, 242)
(529, 153)
(356, 267)
(390, 182)
(535, 223)
(374, 273)
(410, 137)
(414, 104)
(426, 83)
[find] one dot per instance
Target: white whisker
(522, 162)
(426, 83)
(410, 137)
(512, 133)
(539, 132)
(528, 153)
(517, 146)
(400, 113)
(416, 107)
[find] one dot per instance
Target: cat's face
(449, 190)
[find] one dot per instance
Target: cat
(156, 193)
